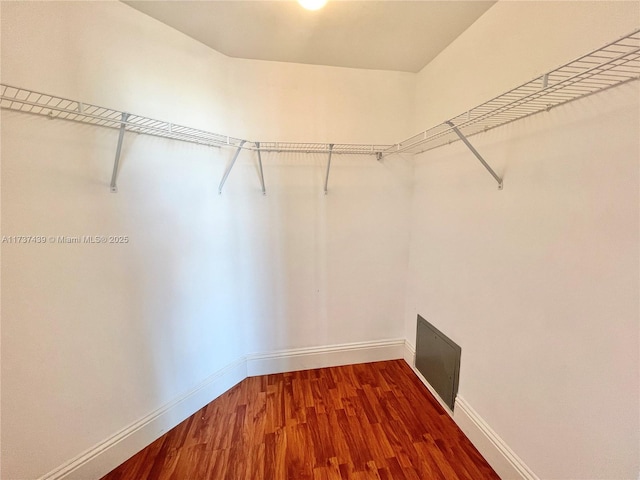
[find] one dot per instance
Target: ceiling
(382, 35)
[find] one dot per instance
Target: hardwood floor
(367, 421)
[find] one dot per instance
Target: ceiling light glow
(312, 4)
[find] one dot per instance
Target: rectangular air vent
(438, 360)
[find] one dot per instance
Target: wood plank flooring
(367, 421)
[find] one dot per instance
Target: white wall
(511, 44)
(302, 103)
(539, 282)
(95, 337)
(109, 54)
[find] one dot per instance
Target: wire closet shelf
(613, 64)
(52, 106)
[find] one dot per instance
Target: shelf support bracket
(545, 81)
(228, 171)
(475, 152)
(326, 178)
(264, 191)
(116, 163)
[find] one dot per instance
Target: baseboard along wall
(321, 357)
(108, 454)
(497, 453)
(99, 460)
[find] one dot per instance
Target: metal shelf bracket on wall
(326, 178)
(116, 162)
(475, 152)
(264, 191)
(228, 171)
(613, 64)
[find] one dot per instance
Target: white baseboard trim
(320, 357)
(99, 460)
(497, 453)
(409, 354)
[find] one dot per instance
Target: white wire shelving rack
(56, 107)
(29, 101)
(611, 65)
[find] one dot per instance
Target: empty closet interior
(175, 220)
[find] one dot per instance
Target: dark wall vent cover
(438, 360)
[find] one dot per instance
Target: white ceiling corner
(382, 35)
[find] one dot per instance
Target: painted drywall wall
(512, 43)
(96, 336)
(538, 283)
(301, 103)
(120, 58)
(166, 340)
